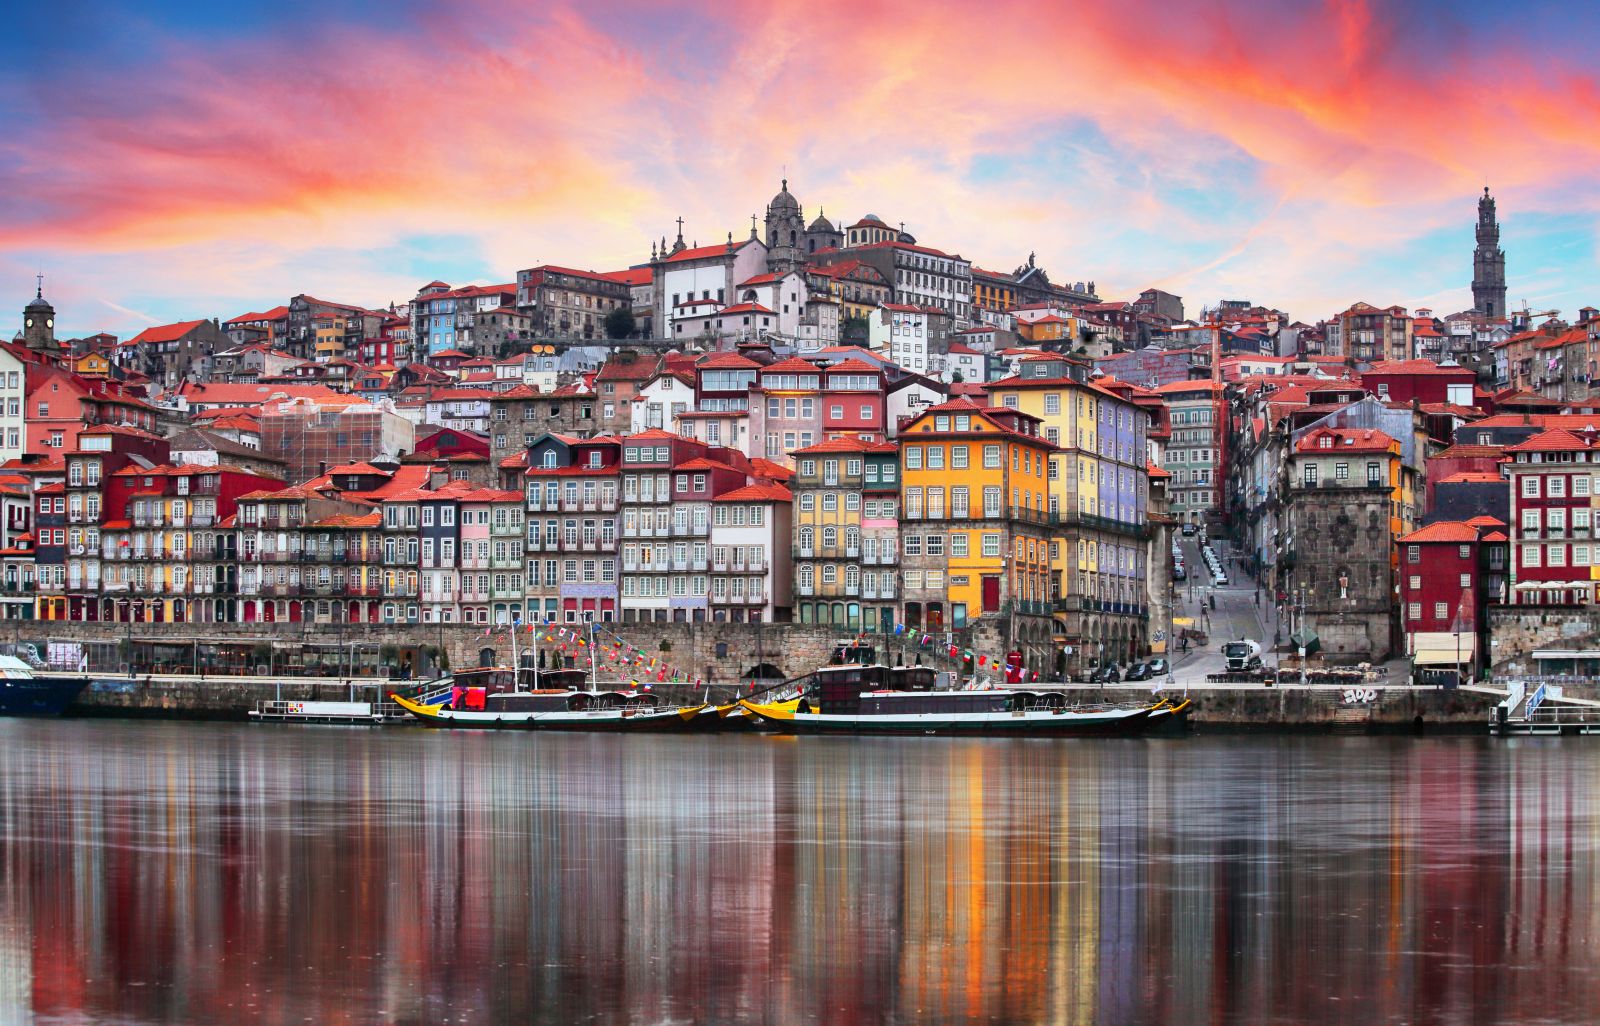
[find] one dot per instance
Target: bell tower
(39, 321)
(1488, 262)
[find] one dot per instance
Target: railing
(278, 556)
(805, 552)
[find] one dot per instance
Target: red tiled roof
(1463, 451)
(632, 276)
(706, 252)
(1413, 367)
(761, 491)
(793, 365)
(764, 467)
(640, 369)
(1345, 440)
(164, 332)
(854, 366)
(726, 361)
(1451, 531)
(745, 308)
(761, 279)
(1486, 521)
(844, 445)
(1553, 440)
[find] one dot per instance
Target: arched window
(550, 459)
(852, 537)
(830, 537)
(807, 536)
(852, 576)
(830, 574)
(793, 238)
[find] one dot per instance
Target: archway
(486, 657)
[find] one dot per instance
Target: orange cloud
(548, 137)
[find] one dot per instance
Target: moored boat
(876, 699)
(487, 699)
(23, 692)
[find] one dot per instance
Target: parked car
(1221, 580)
(1178, 573)
(1158, 667)
(1188, 530)
(1138, 671)
(1106, 674)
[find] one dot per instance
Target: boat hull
(1043, 723)
(41, 696)
(601, 720)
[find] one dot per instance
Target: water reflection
(201, 874)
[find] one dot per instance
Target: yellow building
(974, 522)
(1099, 504)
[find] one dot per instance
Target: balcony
(203, 520)
(755, 598)
(698, 565)
(805, 589)
(278, 556)
(877, 591)
(852, 589)
(362, 590)
(281, 590)
(805, 552)
(852, 552)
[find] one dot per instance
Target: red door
(991, 594)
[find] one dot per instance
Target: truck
(1242, 656)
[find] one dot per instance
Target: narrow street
(1236, 615)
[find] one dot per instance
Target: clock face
(49, 322)
(30, 322)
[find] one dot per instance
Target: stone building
(564, 303)
(1340, 560)
(1488, 263)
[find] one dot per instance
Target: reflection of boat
(24, 693)
(488, 699)
(876, 699)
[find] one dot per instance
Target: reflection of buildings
(213, 874)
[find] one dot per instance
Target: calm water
(195, 873)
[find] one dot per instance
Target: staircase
(1351, 719)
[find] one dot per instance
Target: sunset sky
(205, 159)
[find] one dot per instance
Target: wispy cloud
(1289, 153)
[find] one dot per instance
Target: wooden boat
(876, 699)
(487, 699)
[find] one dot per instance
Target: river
(209, 873)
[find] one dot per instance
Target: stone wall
(721, 652)
(1515, 631)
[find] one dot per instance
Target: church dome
(784, 200)
(821, 224)
(38, 302)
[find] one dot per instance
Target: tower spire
(1488, 262)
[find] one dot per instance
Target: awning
(1439, 648)
(1528, 586)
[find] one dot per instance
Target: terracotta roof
(841, 445)
(277, 313)
(1199, 385)
(639, 369)
(632, 276)
(1495, 536)
(853, 366)
(164, 332)
(761, 491)
(653, 435)
(761, 279)
(1414, 367)
(706, 252)
(793, 365)
(1345, 440)
(1553, 440)
(726, 361)
(745, 308)
(1452, 531)
(1463, 451)
(702, 463)
(1486, 521)
(768, 469)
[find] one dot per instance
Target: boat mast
(516, 661)
(590, 627)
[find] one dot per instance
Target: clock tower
(39, 322)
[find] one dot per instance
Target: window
(1341, 471)
(1373, 476)
(1558, 487)
(1556, 555)
(914, 457)
(958, 546)
(1530, 486)
(958, 457)
(1052, 404)
(1414, 611)
(1413, 553)
(1465, 552)
(991, 544)
(1580, 484)
(1466, 580)
(1414, 582)
(1530, 555)
(991, 457)
(935, 457)
(1310, 475)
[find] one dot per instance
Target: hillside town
(826, 423)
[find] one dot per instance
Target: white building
(782, 293)
(751, 568)
(965, 361)
(902, 333)
(704, 273)
(659, 402)
(13, 423)
(463, 408)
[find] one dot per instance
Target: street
(1235, 617)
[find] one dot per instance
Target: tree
(619, 323)
(855, 331)
(956, 378)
